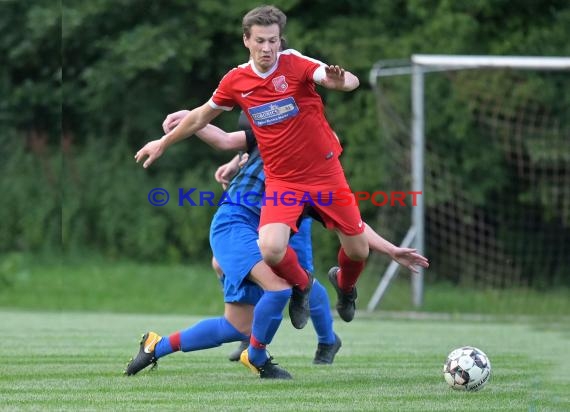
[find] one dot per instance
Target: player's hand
(334, 77)
(172, 120)
(151, 151)
(409, 258)
(243, 160)
(225, 173)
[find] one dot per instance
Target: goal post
(417, 68)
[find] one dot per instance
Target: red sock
(174, 341)
(349, 272)
(290, 269)
(255, 343)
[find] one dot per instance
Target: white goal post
(417, 67)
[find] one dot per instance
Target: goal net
(494, 141)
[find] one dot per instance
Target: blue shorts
(233, 239)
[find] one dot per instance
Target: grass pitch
(73, 361)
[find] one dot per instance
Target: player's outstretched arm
(406, 257)
(192, 122)
(212, 135)
(173, 119)
(222, 140)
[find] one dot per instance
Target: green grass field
(73, 361)
(95, 284)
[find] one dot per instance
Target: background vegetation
(84, 84)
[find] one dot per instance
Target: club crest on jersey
(280, 84)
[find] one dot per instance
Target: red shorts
(334, 202)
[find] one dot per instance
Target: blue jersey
(246, 190)
(247, 187)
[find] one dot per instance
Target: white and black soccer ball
(467, 369)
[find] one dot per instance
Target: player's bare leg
(234, 356)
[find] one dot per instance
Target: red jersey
(295, 140)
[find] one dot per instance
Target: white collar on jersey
(272, 70)
(268, 72)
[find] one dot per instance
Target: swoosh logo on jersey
(246, 94)
(150, 346)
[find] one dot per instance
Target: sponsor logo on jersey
(274, 112)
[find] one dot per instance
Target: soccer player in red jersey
(277, 91)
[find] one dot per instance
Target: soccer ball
(467, 369)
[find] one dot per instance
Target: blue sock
(267, 317)
(208, 333)
(321, 313)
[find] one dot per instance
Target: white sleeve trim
(319, 74)
(215, 106)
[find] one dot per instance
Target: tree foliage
(102, 74)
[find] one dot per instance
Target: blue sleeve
(302, 244)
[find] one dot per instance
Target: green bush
(106, 208)
(30, 186)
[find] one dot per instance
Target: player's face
(263, 44)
